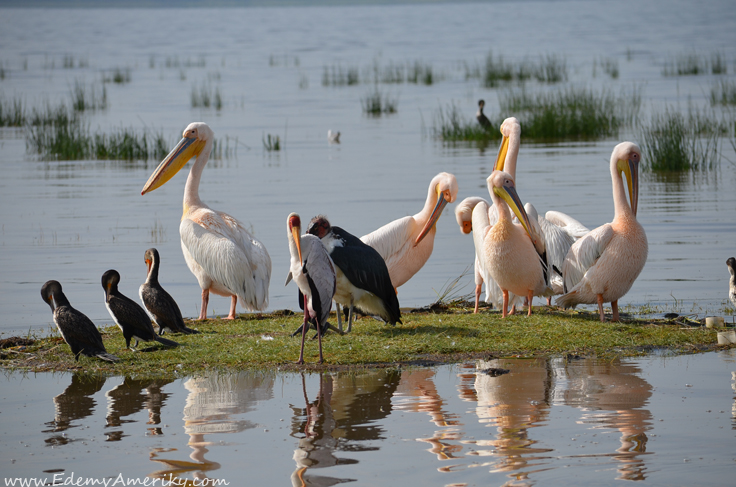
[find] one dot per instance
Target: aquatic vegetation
(692, 64)
(85, 98)
(718, 63)
(551, 69)
(609, 67)
(377, 103)
(451, 124)
(723, 92)
(570, 113)
(12, 113)
(271, 143)
(674, 142)
(338, 76)
(496, 70)
(205, 97)
(118, 76)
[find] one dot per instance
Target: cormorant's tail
(107, 357)
(166, 341)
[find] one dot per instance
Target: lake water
(71, 221)
(664, 420)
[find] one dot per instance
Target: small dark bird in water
(77, 330)
(159, 304)
(731, 263)
(480, 116)
(128, 315)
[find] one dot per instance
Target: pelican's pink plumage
(602, 266)
(508, 252)
(224, 257)
(406, 244)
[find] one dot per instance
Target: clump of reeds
(675, 142)
(692, 63)
(718, 63)
(205, 97)
(419, 72)
(118, 76)
(551, 69)
(271, 143)
(571, 113)
(85, 98)
(496, 70)
(12, 112)
(608, 65)
(451, 125)
(376, 103)
(723, 92)
(338, 76)
(69, 138)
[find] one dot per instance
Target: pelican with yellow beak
(602, 266)
(508, 252)
(406, 244)
(219, 251)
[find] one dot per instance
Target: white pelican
(312, 270)
(77, 330)
(602, 266)
(731, 263)
(480, 116)
(363, 279)
(555, 232)
(219, 251)
(508, 251)
(406, 244)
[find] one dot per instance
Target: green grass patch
(205, 96)
(87, 98)
(118, 75)
(377, 103)
(452, 125)
(675, 142)
(271, 143)
(12, 112)
(256, 340)
(339, 76)
(723, 92)
(571, 113)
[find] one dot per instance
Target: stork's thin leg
(505, 302)
(530, 297)
(233, 302)
(205, 302)
(319, 336)
(350, 316)
(339, 318)
(305, 325)
(477, 296)
(600, 308)
(614, 309)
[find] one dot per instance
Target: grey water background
(72, 220)
(663, 420)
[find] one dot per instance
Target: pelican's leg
(305, 325)
(505, 303)
(233, 302)
(477, 296)
(513, 310)
(614, 309)
(205, 301)
(600, 308)
(530, 297)
(339, 318)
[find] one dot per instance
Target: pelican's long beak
(502, 150)
(177, 158)
(441, 203)
(630, 168)
(509, 195)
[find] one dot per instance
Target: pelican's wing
(567, 223)
(391, 240)
(234, 259)
(584, 253)
(320, 274)
(557, 243)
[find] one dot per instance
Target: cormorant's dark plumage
(128, 315)
(77, 330)
(480, 116)
(161, 307)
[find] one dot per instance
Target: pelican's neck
(512, 154)
(430, 203)
(621, 206)
(504, 212)
(191, 190)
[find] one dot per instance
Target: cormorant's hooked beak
(177, 158)
(508, 193)
(436, 213)
(502, 150)
(630, 168)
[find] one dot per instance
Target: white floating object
(714, 322)
(726, 337)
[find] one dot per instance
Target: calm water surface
(664, 420)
